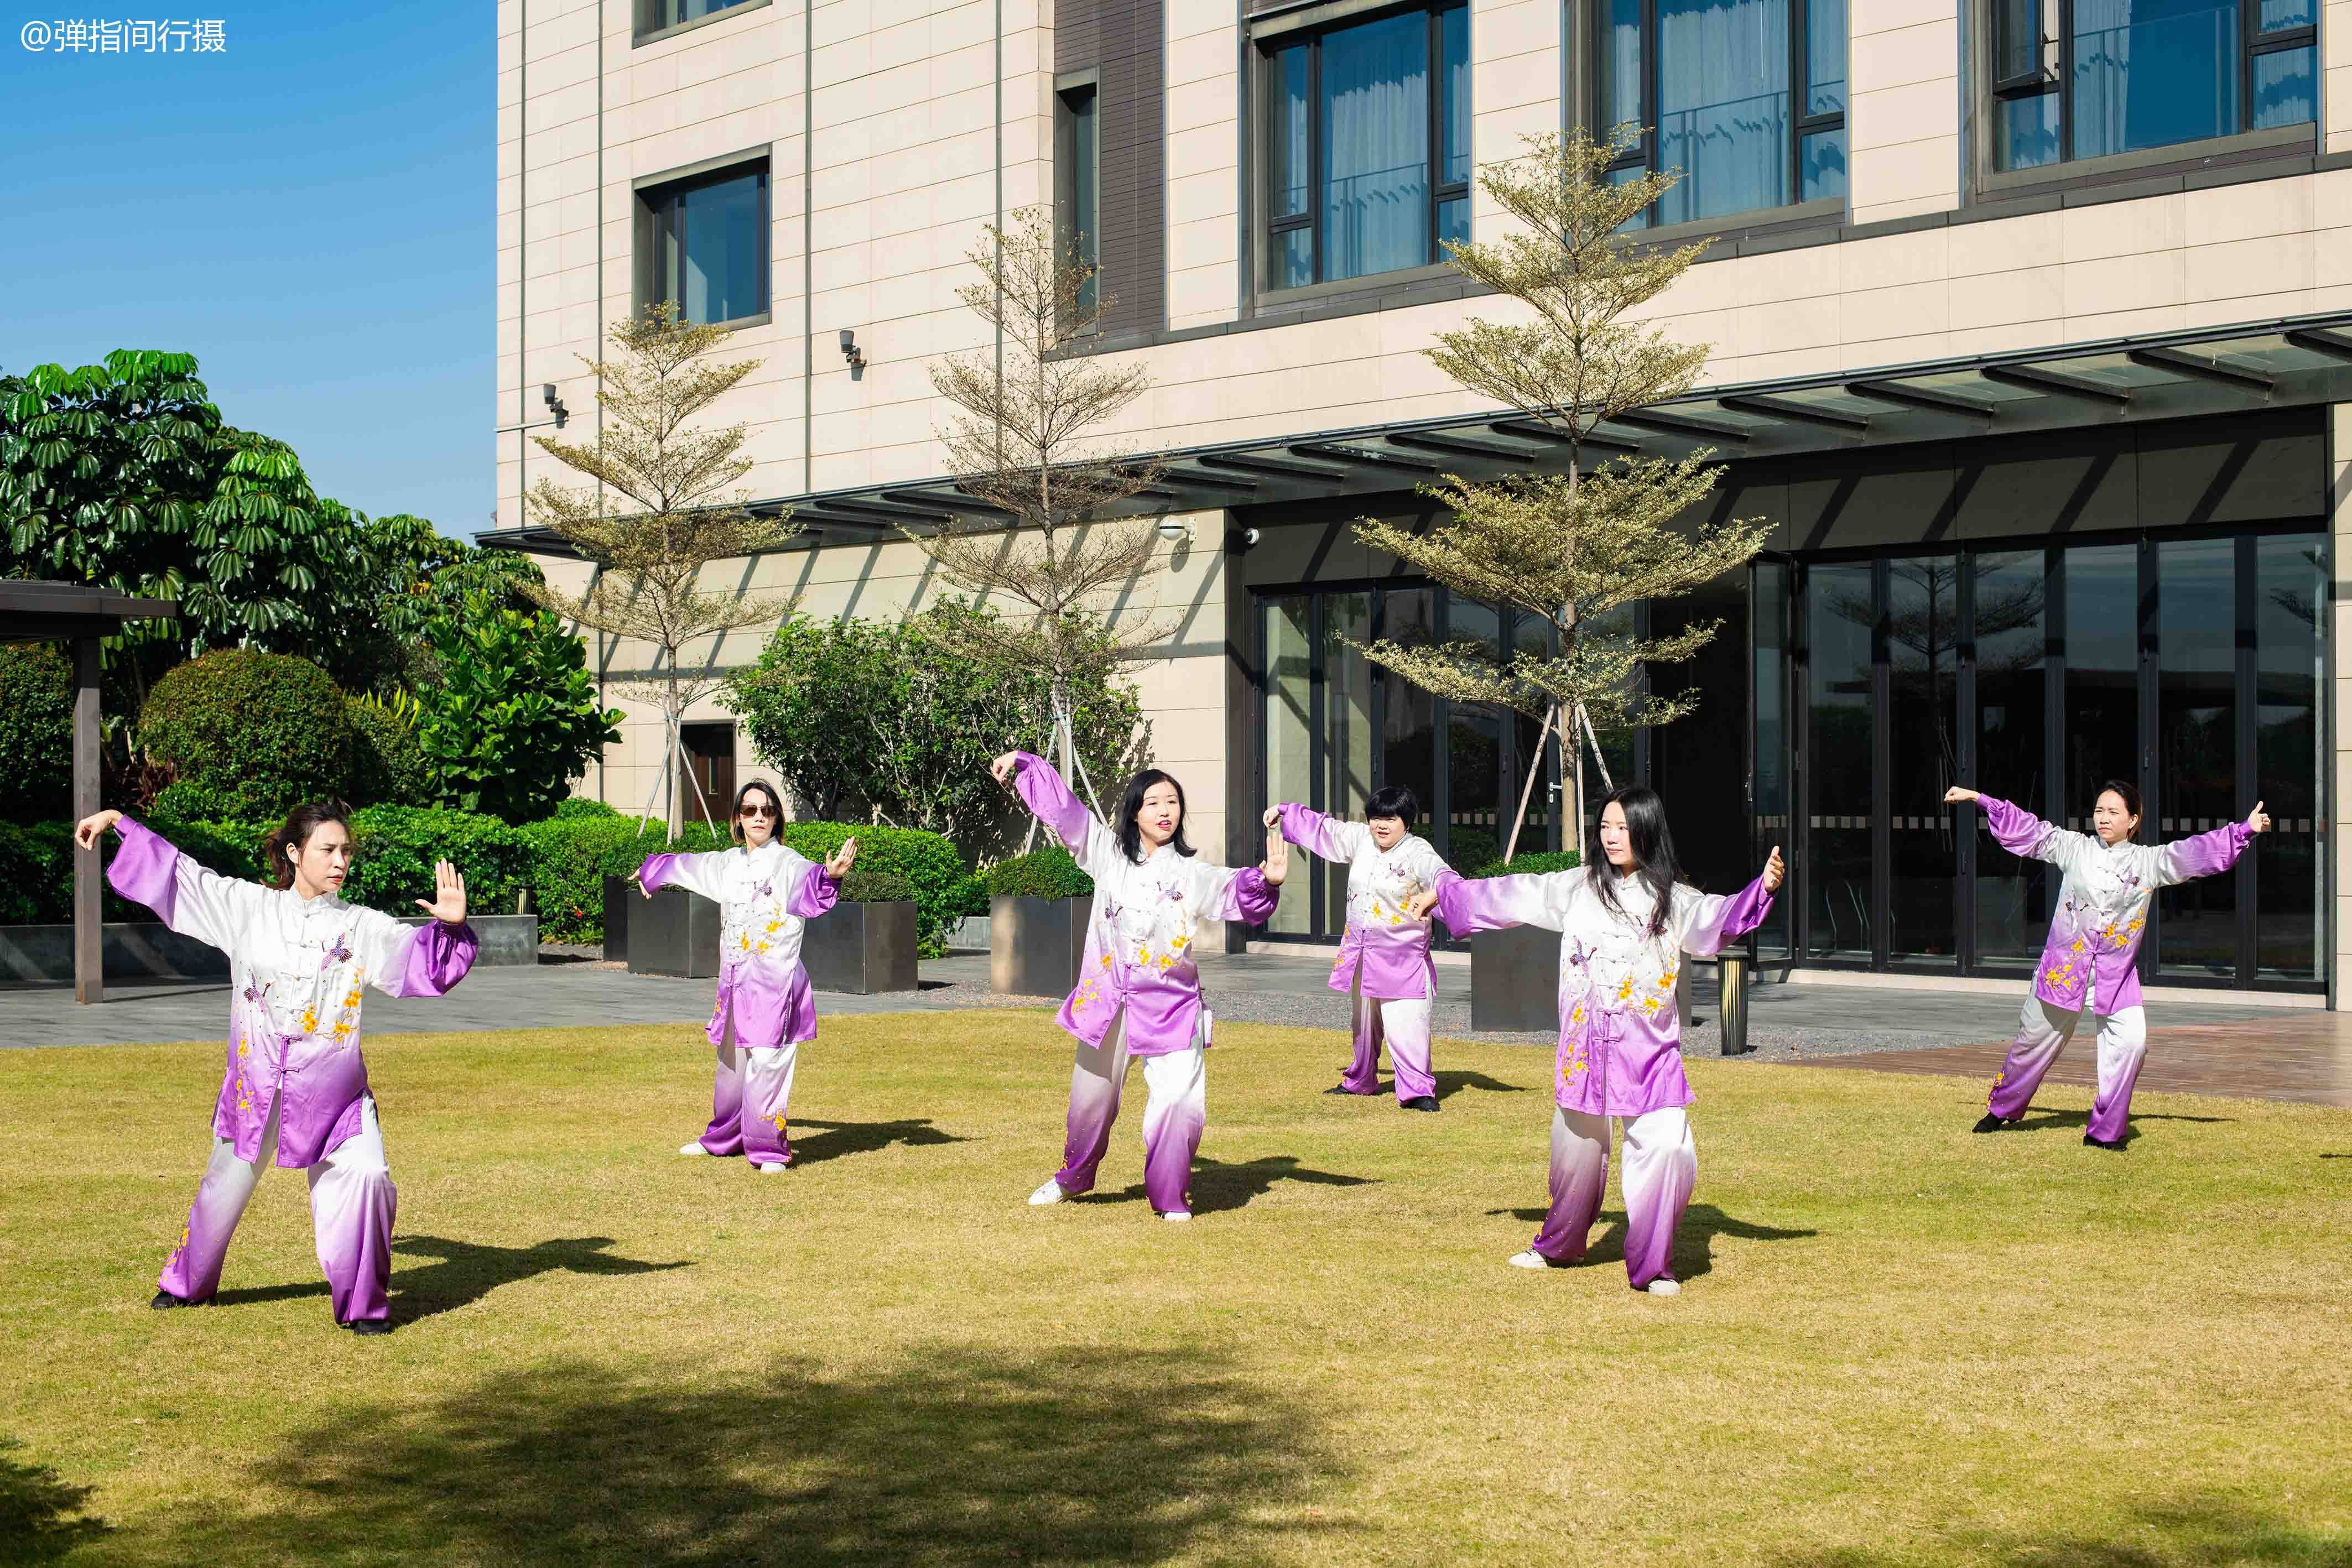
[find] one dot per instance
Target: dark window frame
(2054, 70)
(648, 24)
(652, 191)
(1069, 90)
(1644, 155)
(1271, 229)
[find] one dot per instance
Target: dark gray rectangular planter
(1514, 979)
(43, 954)
(1035, 945)
(861, 948)
(673, 932)
(619, 893)
(505, 940)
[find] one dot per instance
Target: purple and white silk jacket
(2104, 895)
(766, 897)
(296, 969)
(1138, 952)
(1619, 1031)
(1383, 944)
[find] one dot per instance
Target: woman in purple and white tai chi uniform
(2089, 962)
(1138, 991)
(1383, 965)
(766, 891)
(1625, 920)
(296, 1092)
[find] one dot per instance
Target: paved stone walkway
(2299, 1056)
(2213, 1048)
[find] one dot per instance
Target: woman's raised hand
(1277, 864)
(1776, 871)
(86, 831)
(641, 886)
(842, 859)
(1956, 795)
(1272, 818)
(2257, 821)
(448, 894)
(1005, 766)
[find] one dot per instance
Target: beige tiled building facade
(2032, 336)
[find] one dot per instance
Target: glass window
(2011, 739)
(1367, 161)
(2196, 748)
(1839, 617)
(2290, 756)
(656, 15)
(1290, 727)
(2089, 79)
(1076, 205)
(1746, 98)
(709, 244)
(1922, 660)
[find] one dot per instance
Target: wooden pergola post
(89, 882)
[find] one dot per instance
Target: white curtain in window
(1376, 147)
(1723, 106)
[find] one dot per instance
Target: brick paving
(2304, 1057)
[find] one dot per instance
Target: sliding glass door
(2191, 668)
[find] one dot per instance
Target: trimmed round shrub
(863, 886)
(37, 731)
(387, 766)
(261, 732)
(1046, 871)
(1529, 864)
(580, 808)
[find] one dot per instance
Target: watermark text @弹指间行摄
(73, 35)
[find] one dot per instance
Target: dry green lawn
(1898, 1342)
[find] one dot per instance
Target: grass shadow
(2080, 1121)
(1693, 1238)
(835, 1140)
(1218, 1186)
(945, 1455)
(42, 1516)
(1451, 1082)
(2196, 1533)
(463, 1272)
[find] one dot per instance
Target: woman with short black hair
(2089, 961)
(767, 891)
(1138, 991)
(1626, 919)
(1384, 967)
(296, 1092)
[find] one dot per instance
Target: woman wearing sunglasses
(766, 891)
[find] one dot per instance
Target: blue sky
(312, 212)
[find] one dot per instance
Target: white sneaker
(694, 1148)
(770, 1169)
(1531, 1259)
(1177, 1215)
(1664, 1288)
(1050, 1193)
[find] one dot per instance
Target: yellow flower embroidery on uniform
(1666, 980)
(1624, 988)
(774, 927)
(1178, 941)
(777, 1121)
(243, 1050)
(309, 1020)
(1106, 960)
(1143, 954)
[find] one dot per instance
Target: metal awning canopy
(77, 614)
(2282, 364)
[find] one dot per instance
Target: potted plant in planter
(868, 943)
(1038, 909)
(1515, 972)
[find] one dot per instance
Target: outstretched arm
(2185, 859)
(695, 873)
(191, 899)
(1315, 833)
(2015, 828)
(1492, 903)
(1717, 922)
(1050, 801)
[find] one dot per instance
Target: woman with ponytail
(1626, 919)
(296, 1092)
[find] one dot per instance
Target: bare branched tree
(1020, 444)
(678, 514)
(1570, 546)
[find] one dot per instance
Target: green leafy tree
(514, 718)
(36, 732)
(1569, 548)
(398, 575)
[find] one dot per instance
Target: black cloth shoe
(164, 1301)
(2117, 1145)
(1343, 1089)
(370, 1325)
(1423, 1102)
(1988, 1124)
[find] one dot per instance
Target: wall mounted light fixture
(554, 404)
(1172, 530)
(852, 352)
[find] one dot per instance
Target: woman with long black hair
(1626, 919)
(2089, 962)
(1138, 991)
(767, 891)
(296, 1092)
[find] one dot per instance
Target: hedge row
(564, 861)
